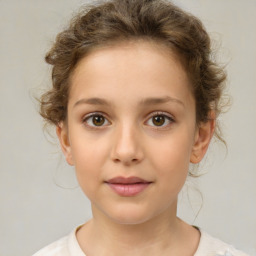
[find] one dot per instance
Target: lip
(128, 186)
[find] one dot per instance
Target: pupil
(98, 120)
(158, 120)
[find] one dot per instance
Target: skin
(133, 82)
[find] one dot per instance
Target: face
(131, 131)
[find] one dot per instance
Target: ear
(203, 138)
(62, 133)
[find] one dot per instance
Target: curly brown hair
(116, 21)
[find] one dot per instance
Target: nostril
(126, 161)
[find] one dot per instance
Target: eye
(96, 120)
(160, 120)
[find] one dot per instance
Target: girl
(135, 99)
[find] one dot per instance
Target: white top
(208, 246)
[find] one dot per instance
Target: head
(132, 34)
(115, 22)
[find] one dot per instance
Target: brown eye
(158, 120)
(96, 120)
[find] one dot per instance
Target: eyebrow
(155, 101)
(92, 101)
(146, 101)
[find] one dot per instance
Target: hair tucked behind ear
(111, 22)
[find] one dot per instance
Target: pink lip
(130, 186)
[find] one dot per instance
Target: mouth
(127, 187)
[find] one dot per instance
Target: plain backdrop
(39, 197)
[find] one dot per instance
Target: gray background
(36, 209)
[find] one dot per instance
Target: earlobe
(203, 138)
(62, 133)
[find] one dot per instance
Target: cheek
(173, 168)
(172, 174)
(88, 149)
(171, 159)
(173, 151)
(89, 158)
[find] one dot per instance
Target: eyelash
(167, 118)
(95, 114)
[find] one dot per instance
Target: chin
(129, 216)
(130, 220)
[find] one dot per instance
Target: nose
(127, 146)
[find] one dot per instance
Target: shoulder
(57, 248)
(66, 246)
(211, 246)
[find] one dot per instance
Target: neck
(135, 234)
(159, 235)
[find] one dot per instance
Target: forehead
(143, 48)
(143, 67)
